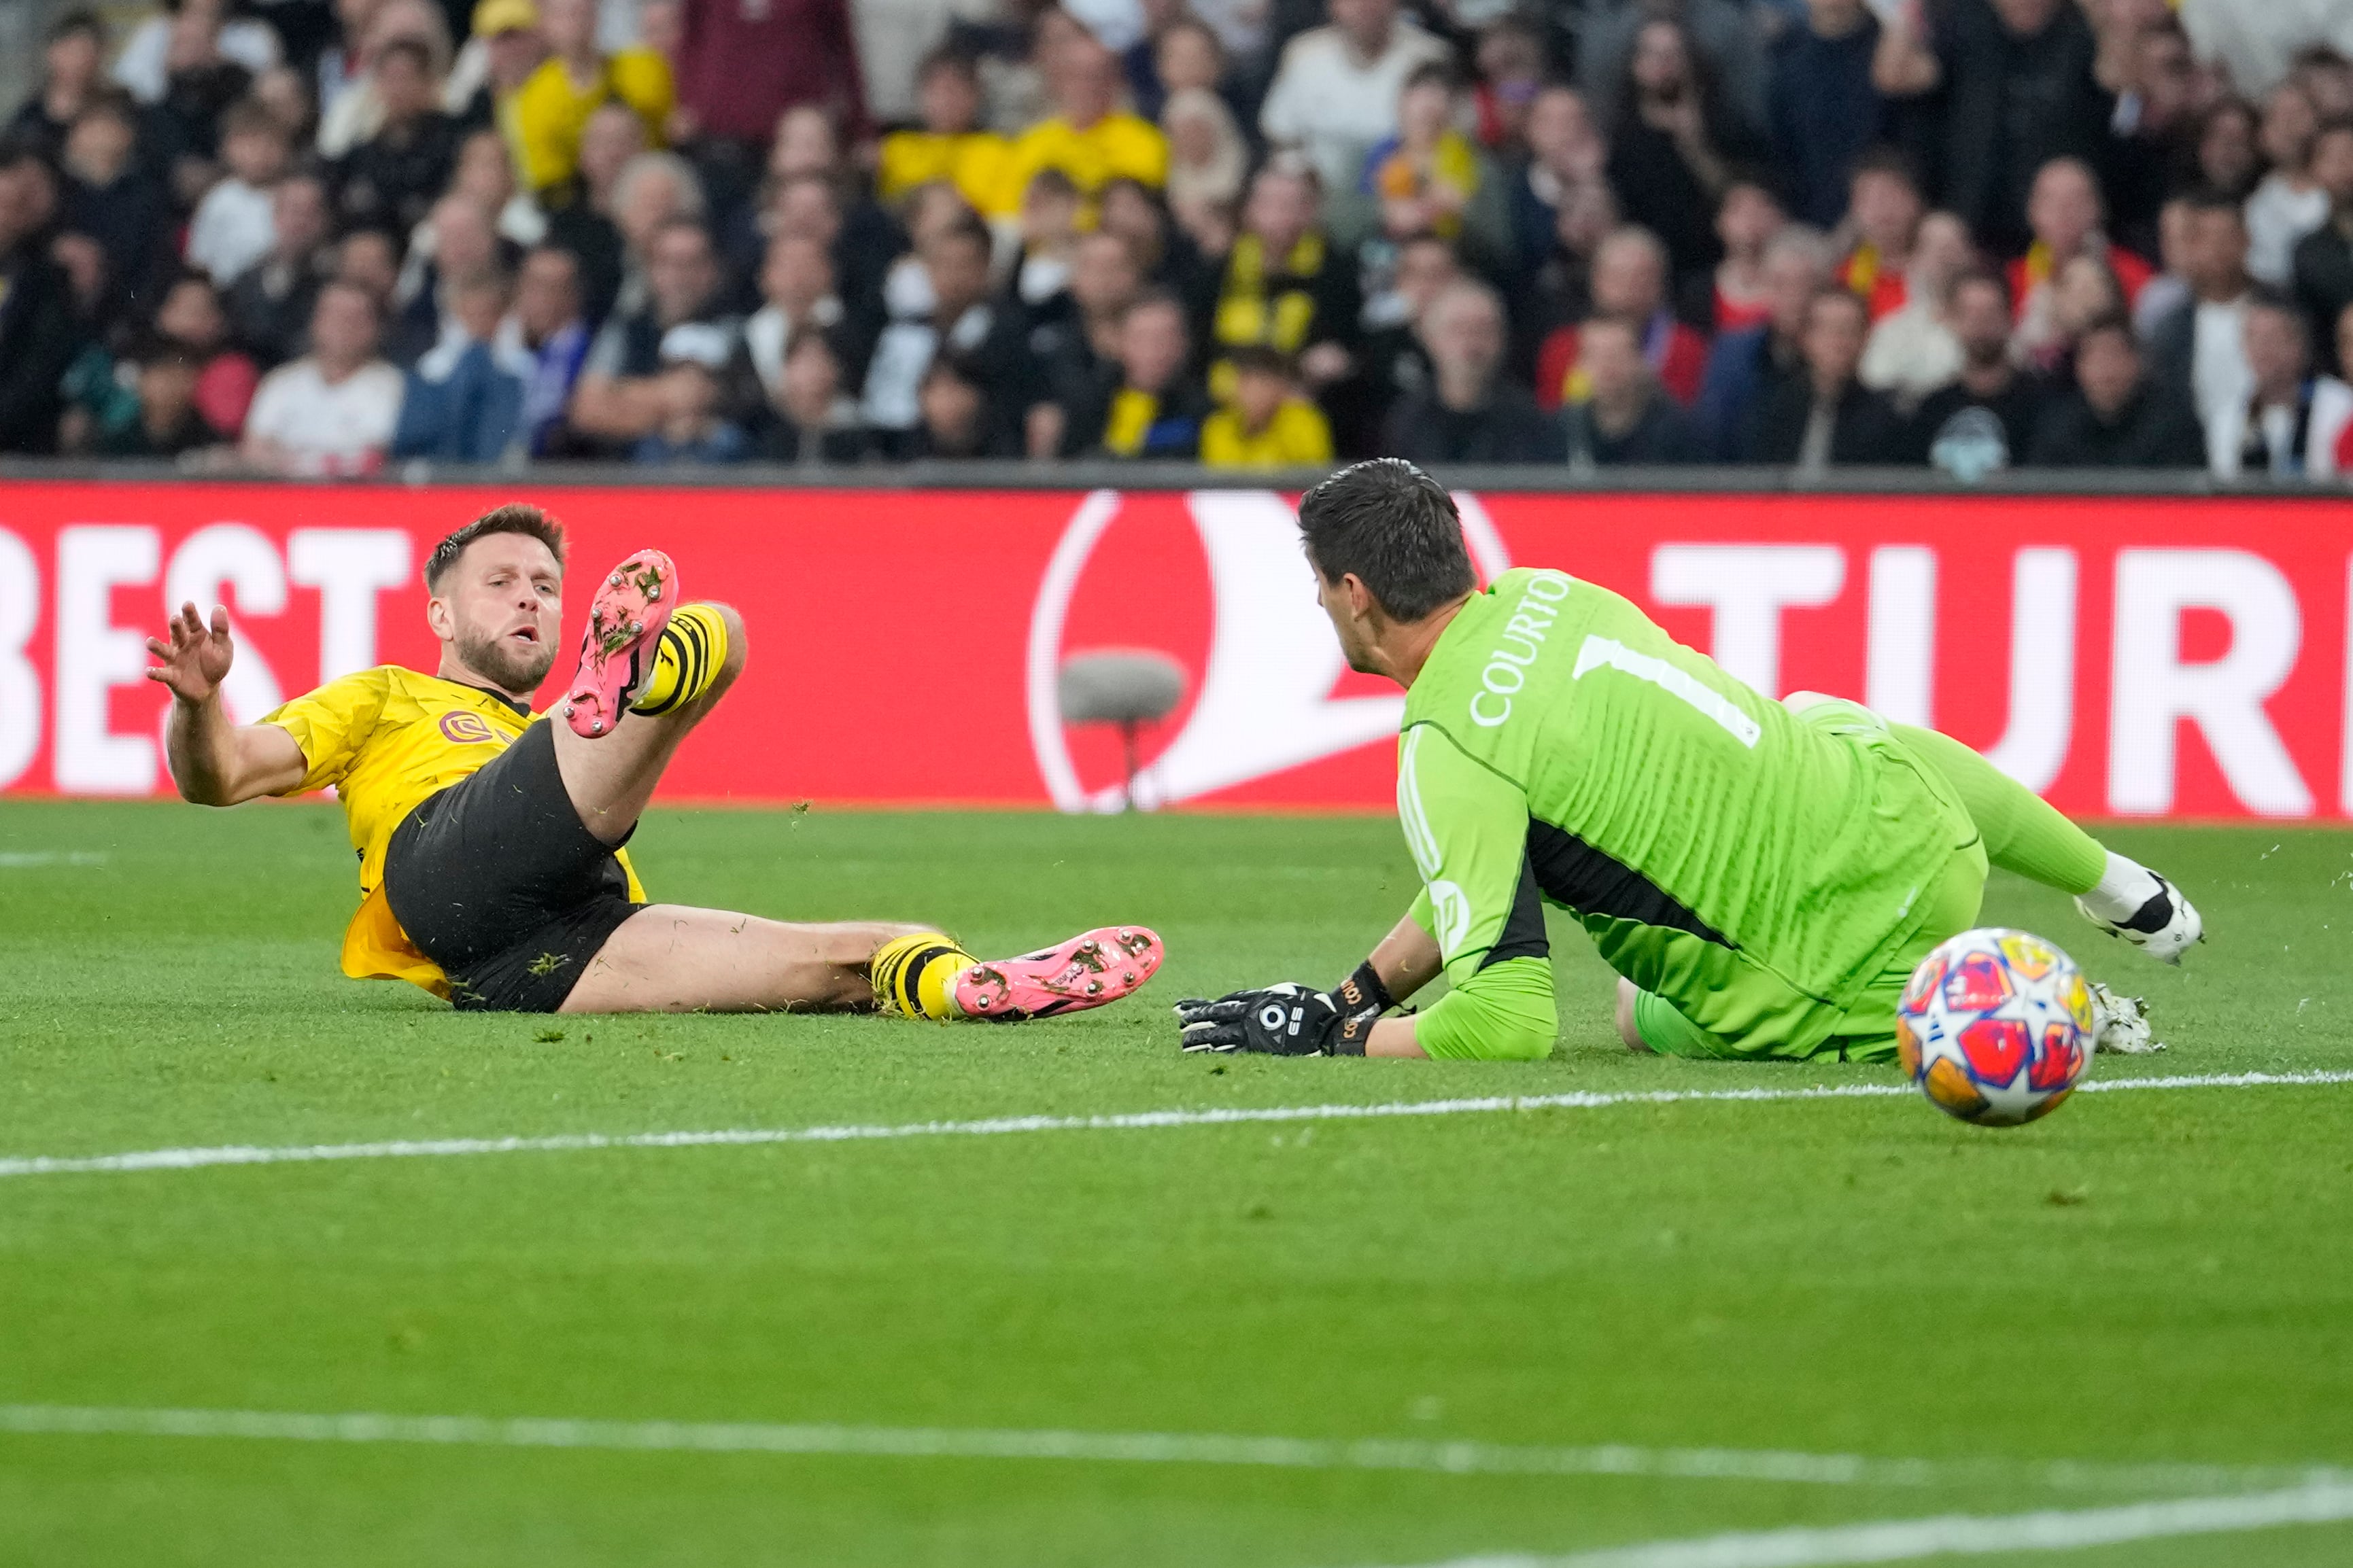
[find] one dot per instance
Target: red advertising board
(2128, 657)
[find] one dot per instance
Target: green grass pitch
(2145, 1277)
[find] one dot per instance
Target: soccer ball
(1995, 1027)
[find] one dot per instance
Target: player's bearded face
(505, 605)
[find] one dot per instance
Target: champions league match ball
(1995, 1027)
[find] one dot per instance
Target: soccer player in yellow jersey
(493, 870)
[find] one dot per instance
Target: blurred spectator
(1267, 424)
(1624, 417)
(952, 144)
(270, 304)
(810, 417)
(352, 110)
(2018, 89)
(166, 424)
(1392, 362)
(334, 410)
(1168, 254)
(96, 395)
(395, 175)
(1885, 210)
(1185, 57)
(585, 224)
(1104, 280)
(652, 191)
(2084, 291)
(1088, 139)
(1630, 282)
(2331, 442)
(2257, 44)
(1471, 413)
(1746, 370)
(161, 45)
(2202, 345)
(953, 417)
(1207, 157)
(1566, 160)
(36, 328)
(1825, 111)
(463, 402)
(1429, 178)
(2229, 157)
(111, 198)
(1154, 410)
(71, 71)
(1047, 234)
(1284, 288)
(988, 341)
(484, 176)
(687, 426)
(2290, 202)
(1985, 420)
(2324, 259)
(1745, 222)
(2154, 132)
(797, 300)
(1560, 293)
(2169, 290)
(1336, 91)
(1673, 146)
(1510, 58)
(369, 260)
(893, 40)
(2116, 417)
(1913, 351)
(455, 240)
(235, 225)
(1726, 36)
(1826, 417)
(2272, 432)
(506, 49)
(2065, 213)
(546, 340)
(191, 318)
(621, 396)
(549, 112)
(805, 54)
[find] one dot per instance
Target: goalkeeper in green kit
(1763, 876)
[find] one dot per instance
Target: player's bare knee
(1627, 1030)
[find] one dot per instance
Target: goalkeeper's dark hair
(515, 517)
(1396, 528)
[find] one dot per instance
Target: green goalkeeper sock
(2023, 833)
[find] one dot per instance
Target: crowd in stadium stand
(322, 237)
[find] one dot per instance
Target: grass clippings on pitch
(2146, 1278)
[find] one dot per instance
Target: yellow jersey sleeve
(331, 725)
(641, 78)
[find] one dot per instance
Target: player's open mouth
(525, 634)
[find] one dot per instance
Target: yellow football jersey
(1297, 437)
(389, 740)
(974, 162)
(546, 114)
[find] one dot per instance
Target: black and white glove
(1288, 1019)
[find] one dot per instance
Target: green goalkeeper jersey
(1754, 870)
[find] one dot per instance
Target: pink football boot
(625, 617)
(1088, 971)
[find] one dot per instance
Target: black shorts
(496, 880)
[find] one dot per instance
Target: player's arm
(214, 762)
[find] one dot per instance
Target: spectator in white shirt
(234, 227)
(2202, 343)
(2289, 204)
(2271, 433)
(1912, 351)
(1335, 93)
(331, 411)
(144, 67)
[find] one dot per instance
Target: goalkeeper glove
(1288, 1019)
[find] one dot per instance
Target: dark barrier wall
(2159, 655)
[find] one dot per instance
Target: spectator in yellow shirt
(1267, 424)
(949, 146)
(551, 108)
(1091, 140)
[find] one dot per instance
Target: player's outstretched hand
(196, 659)
(1284, 1020)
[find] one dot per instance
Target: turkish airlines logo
(1264, 701)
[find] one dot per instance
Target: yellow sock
(913, 976)
(686, 660)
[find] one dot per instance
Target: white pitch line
(1964, 1535)
(573, 1142)
(1440, 1458)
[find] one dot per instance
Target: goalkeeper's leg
(2025, 834)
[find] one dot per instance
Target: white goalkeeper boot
(2161, 923)
(2120, 1024)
